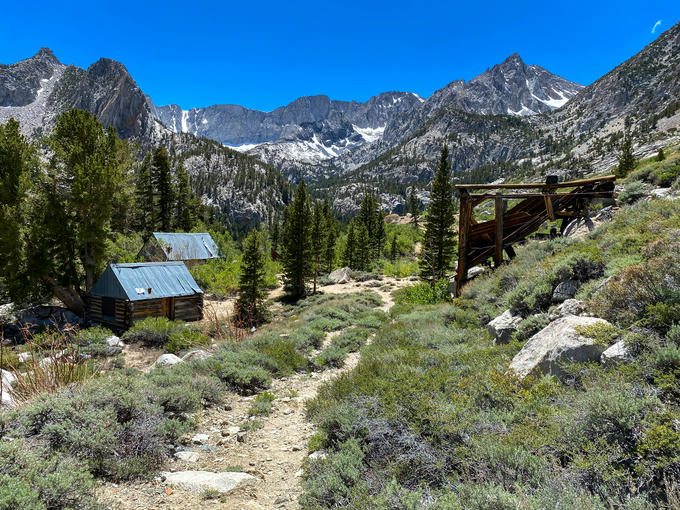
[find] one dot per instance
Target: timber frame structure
(478, 242)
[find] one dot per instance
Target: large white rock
(568, 307)
(342, 275)
(617, 353)
(114, 341)
(565, 290)
(557, 343)
(201, 480)
(187, 456)
(197, 354)
(8, 379)
(503, 326)
(7, 399)
(165, 360)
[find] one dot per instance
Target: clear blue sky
(265, 54)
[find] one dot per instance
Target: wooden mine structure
(479, 241)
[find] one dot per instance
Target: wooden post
(499, 206)
(463, 231)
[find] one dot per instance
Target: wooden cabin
(190, 248)
(126, 293)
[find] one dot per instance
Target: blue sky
(265, 54)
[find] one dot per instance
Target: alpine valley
(512, 120)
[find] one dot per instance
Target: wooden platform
(539, 202)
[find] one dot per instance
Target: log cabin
(126, 293)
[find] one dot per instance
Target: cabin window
(109, 306)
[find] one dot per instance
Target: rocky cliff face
(36, 90)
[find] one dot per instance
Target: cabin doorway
(169, 308)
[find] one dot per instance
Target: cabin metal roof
(133, 281)
(187, 246)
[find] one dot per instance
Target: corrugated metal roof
(132, 281)
(181, 246)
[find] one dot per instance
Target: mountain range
(513, 117)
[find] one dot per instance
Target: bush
(39, 480)
(329, 482)
(423, 293)
(153, 331)
(185, 339)
(667, 358)
(633, 191)
(332, 356)
(351, 339)
(262, 405)
(241, 371)
(400, 268)
(92, 341)
(530, 326)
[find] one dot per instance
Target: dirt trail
(274, 453)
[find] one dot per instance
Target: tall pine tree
(627, 160)
(318, 240)
(349, 255)
(249, 308)
(414, 207)
(144, 199)
(161, 173)
(331, 237)
(186, 201)
(297, 244)
(439, 243)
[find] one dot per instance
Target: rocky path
(272, 453)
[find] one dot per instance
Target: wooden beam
(463, 226)
(537, 185)
(499, 211)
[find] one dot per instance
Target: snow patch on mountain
(370, 134)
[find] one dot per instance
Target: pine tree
(318, 240)
(18, 166)
(249, 308)
(297, 244)
(331, 237)
(393, 249)
(661, 155)
(627, 160)
(275, 234)
(144, 198)
(162, 180)
(414, 207)
(380, 236)
(186, 201)
(439, 243)
(363, 248)
(349, 255)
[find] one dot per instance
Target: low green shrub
(185, 339)
(153, 331)
(351, 339)
(262, 405)
(92, 341)
(332, 356)
(36, 480)
(423, 293)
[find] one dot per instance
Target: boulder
(343, 275)
(503, 326)
(187, 456)
(557, 343)
(165, 360)
(565, 290)
(660, 193)
(202, 480)
(7, 399)
(200, 438)
(579, 227)
(24, 357)
(617, 353)
(568, 307)
(198, 354)
(8, 379)
(114, 341)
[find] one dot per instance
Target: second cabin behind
(190, 248)
(126, 293)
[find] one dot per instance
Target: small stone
(281, 500)
(317, 455)
(241, 437)
(200, 438)
(296, 448)
(187, 456)
(165, 360)
(565, 290)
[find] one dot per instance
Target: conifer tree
(414, 207)
(297, 244)
(186, 201)
(363, 248)
(275, 233)
(331, 237)
(318, 240)
(380, 238)
(249, 308)
(144, 198)
(438, 242)
(162, 180)
(393, 249)
(349, 255)
(661, 155)
(18, 166)
(626, 159)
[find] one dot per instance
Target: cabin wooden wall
(186, 308)
(94, 309)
